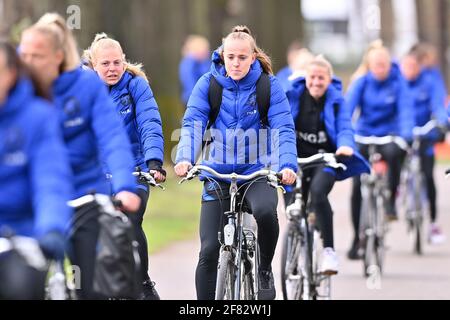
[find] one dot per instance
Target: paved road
(406, 276)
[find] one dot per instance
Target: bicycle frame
(375, 194)
(301, 249)
(239, 253)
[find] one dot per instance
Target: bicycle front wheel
(291, 273)
(225, 277)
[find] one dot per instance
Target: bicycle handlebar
(328, 158)
(374, 140)
(28, 247)
(425, 129)
(273, 177)
(148, 178)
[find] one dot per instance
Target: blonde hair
(54, 27)
(194, 44)
(244, 33)
(320, 61)
(102, 41)
(363, 68)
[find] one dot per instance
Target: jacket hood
(219, 72)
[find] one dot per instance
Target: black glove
(155, 165)
(52, 245)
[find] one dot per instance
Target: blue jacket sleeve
(112, 140)
(187, 77)
(51, 176)
(344, 129)
(438, 103)
(194, 122)
(148, 120)
(405, 105)
(354, 96)
(280, 118)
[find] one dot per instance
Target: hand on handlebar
(288, 176)
(345, 151)
(159, 176)
(182, 168)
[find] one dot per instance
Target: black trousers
(262, 201)
(427, 165)
(317, 184)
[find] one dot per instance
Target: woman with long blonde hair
(135, 103)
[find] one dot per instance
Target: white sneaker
(329, 264)
(435, 235)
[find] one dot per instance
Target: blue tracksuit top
(385, 106)
(190, 71)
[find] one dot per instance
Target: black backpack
(263, 92)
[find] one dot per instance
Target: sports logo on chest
(12, 151)
(125, 105)
(72, 112)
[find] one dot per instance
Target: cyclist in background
(385, 107)
(135, 103)
(237, 66)
(323, 125)
(286, 72)
(195, 63)
(35, 178)
(93, 132)
(429, 102)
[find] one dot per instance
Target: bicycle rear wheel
(225, 277)
(291, 273)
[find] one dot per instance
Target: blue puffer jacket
(338, 125)
(190, 71)
(35, 176)
(93, 133)
(236, 133)
(385, 105)
(428, 100)
(137, 107)
(437, 78)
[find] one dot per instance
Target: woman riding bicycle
(35, 178)
(93, 132)
(237, 66)
(429, 102)
(135, 103)
(323, 125)
(385, 104)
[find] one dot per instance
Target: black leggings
(262, 201)
(394, 156)
(83, 249)
(137, 219)
(427, 165)
(318, 183)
